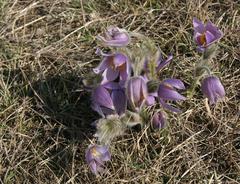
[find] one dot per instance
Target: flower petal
(150, 100)
(119, 59)
(210, 38)
(111, 74)
(102, 66)
(198, 25)
(214, 30)
(115, 37)
(120, 101)
(176, 83)
(112, 85)
(166, 93)
(93, 167)
(169, 107)
(102, 97)
(163, 63)
(158, 120)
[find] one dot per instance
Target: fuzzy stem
(192, 89)
(204, 67)
(201, 66)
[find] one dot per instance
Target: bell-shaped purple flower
(109, 99)
(96, 155)
(158, 120)
(205, 35)
(136, 92)
(115, 37)
(167, 91)
(114, 66)
(213, 89)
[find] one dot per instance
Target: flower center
(202, 39)
(94, 152)
(122, 67)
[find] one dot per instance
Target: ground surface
(46, 49)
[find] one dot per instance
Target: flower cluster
(206, 37)
(132, 91)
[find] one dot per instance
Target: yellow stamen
(94, 152)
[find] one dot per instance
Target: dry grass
(47, 47)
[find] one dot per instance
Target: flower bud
(136, 92)
(213, 89)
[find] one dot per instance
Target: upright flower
(213, 89)
(136, 92)
(114, 66)
(96, 155)
(205, 35)
(167, 91)
(109, 99)
(115, 37)
(158, 120)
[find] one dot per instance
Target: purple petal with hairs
(176, 83)
(165, 92)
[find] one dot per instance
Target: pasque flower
(205, 35)
(212, 88)
(115, 37)
(158, 120)
(167, 91)
(114, 66)
(109, 99)
(136, 92)
(96, 155)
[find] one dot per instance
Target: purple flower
(114, 66)
(96, 155)
(158, 120)
(167, 91)
(212, 88)
(115, 37)
(205, 35)
(109, 99)
(136, 92)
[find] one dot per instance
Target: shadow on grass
(62, 100)
(65, 107)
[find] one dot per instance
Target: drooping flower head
(158, 120)
(205, 35)
(114, 66)
(109, 99)
(115, 37)
(212, 88)
(96, 155)
(167, 91)
(136, 92)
